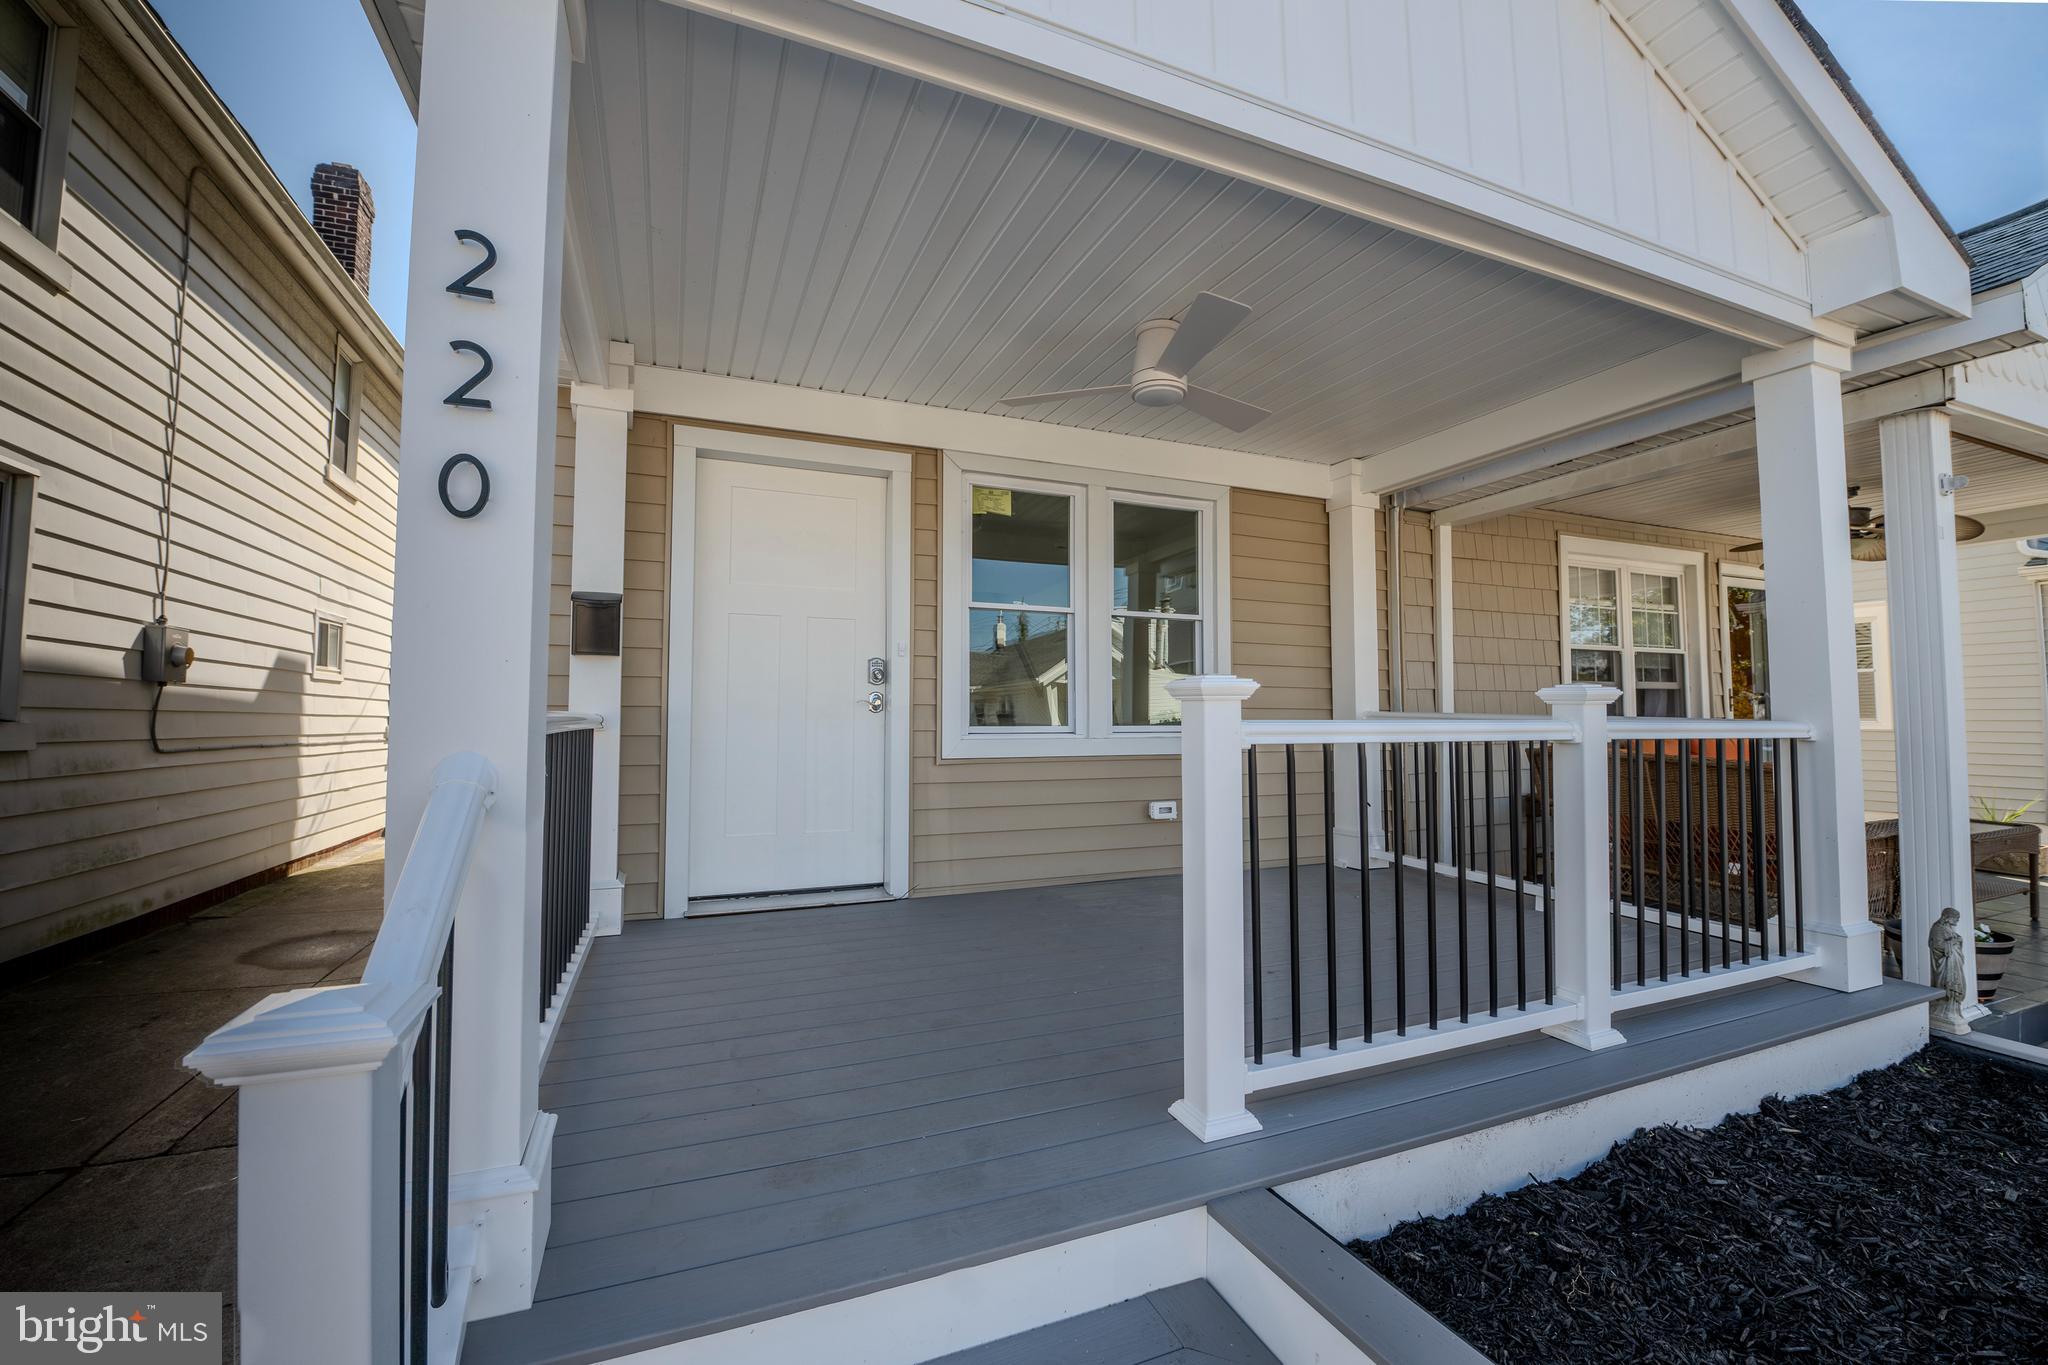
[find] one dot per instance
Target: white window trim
(33, 246)
(1089, 698)
(15, 734)
(1733, 572)
(344, 480)
(313, 667)
(1693, 631)
(1879, 616)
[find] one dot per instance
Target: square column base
(607, 907)
(511, 1208)
(1210, 1129)
(1851, 956)
(1591, 1039)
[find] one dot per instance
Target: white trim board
(1444, 1178)
(688, 396)
(690, 445)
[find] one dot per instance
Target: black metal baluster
(444, 1035)
(1398, 808)
(1456, 753)
(417, 1120)
(1636, 769)
(1251, 771)
(1614, 824)
(1742, 782)
(1330, 889)
(1492, 910)
(1546, 826)
(1663, 868)
(1365, 813)
(1432, 844)
(1798, 832)
(1721, 837)
(1684, 858)
(1293, 904)
(1515, 878)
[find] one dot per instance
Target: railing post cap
(314, 1030)
(1211, 687)
(1591, 695)
(465, 766)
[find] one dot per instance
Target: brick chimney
(342, 214)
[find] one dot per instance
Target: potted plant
(1993, 948)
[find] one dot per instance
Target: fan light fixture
(1167, 348)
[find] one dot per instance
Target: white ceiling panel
(766, 211)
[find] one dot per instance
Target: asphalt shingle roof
(2009, 248)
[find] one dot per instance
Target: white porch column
(1445, 624)
(1803, 483)
(1585, 971)
(469, 667)
(1927, 681)
(1212, 862)
(597, 552)
(1354, 644)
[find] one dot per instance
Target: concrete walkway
(117, 1166)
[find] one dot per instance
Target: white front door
(787, 752)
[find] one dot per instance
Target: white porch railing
(565, 920)
(1506, 914)
(344, 1251)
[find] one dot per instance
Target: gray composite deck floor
(1187, 1324)
(761, 1113)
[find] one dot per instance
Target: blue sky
(1961, 86)
(309, 82)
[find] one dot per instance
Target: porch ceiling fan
(1167, 348)
(1866, 532)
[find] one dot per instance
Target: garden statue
(1949, 973)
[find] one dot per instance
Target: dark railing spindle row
(565, 855)
(1699, 839)
(1437, 807)
(423, 1136)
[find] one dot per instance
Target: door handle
(875, 702)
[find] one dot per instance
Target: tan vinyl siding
(1280, 635)
(1507, 606)
(94, 827)
(650, 446)
(2003, 679)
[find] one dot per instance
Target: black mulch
(1903, 1217)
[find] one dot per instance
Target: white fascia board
(1651, 381)
(1907, 251)
(746, 402)
(1018, 61)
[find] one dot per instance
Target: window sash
(1597, 588)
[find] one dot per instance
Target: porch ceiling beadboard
(762, 210)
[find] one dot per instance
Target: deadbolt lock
(878, 672)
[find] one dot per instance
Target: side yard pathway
(117, 1166)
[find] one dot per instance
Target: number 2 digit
(460, 397)
(464, 285)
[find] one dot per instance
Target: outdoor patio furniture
(1988, 839)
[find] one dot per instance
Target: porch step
(1187, 1324)
(1382, 1322)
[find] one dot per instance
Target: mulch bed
(1903, 1217)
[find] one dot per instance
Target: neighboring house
(1058, 483)
(198, 425)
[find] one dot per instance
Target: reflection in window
(1155, 609)
(1020, 618)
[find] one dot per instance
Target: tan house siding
(650, 447)
(2003, 681)
(1507, 605)
(95, 828)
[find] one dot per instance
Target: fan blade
(1968, 528)
(1063, 395)
(1753, 547)
(1222, 409)
(1208, 320)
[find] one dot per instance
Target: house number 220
(464, 395)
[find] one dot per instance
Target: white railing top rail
(573, 720)
(1408, 728)
(407, 951)
(1679, 727)
(356, 1026)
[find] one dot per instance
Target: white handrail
(407, 951)
(558, 721)
(1679, 727)
(1407, 728)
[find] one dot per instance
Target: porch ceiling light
(1866, 534)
